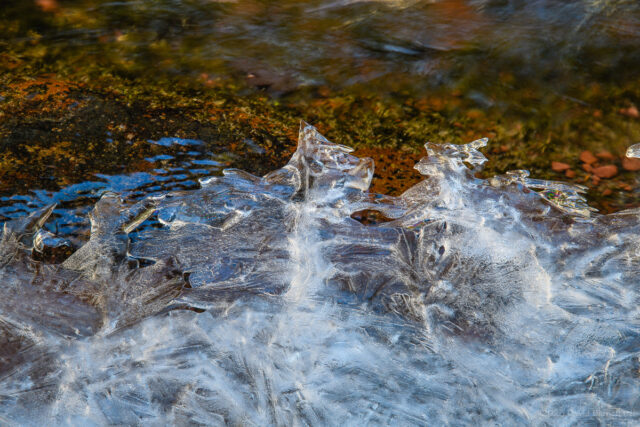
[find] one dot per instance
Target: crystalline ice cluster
(260, 301)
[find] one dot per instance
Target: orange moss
(394, 172)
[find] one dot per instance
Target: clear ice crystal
(634, 151)
(259, 300)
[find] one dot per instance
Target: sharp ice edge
(261, 302)
(634, 151)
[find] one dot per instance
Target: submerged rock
(606, 171)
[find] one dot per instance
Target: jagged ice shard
(260, 301)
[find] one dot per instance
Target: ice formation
(260, 301)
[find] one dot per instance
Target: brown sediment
(394, 172)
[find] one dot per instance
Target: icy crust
(634, 151)
(260, 301)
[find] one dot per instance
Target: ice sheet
(260, 301)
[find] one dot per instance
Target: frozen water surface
(260, 301)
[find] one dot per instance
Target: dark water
(189, 161)
(285, 45)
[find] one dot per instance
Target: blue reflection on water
(179, 171)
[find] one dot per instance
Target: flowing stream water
(261, 301)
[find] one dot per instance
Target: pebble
(570, 173)
(559, 166)
(605, 155)
(607, 192)
(631, 112)
(587, 167)
(630, 164)
(47, 5)
(588, 157)
(607, 171)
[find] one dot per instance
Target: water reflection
(180, 170)
(287, 44)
